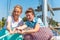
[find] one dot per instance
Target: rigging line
(39, 2)
(7, 8)
(52, 2)
(9, 5)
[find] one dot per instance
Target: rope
(55, 30)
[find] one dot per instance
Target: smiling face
(16, 13)
(30, 14)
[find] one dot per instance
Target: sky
(26, 4)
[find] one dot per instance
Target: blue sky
(26, 4)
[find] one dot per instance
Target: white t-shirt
(13, 23)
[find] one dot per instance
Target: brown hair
(29, 11)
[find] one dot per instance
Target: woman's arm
(32, 30)
(9, 28)
(9, 19)
(22, 27)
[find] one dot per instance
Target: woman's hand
(21, 32)
(14, 30)
(11, 32)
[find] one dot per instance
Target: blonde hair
(17, 6)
